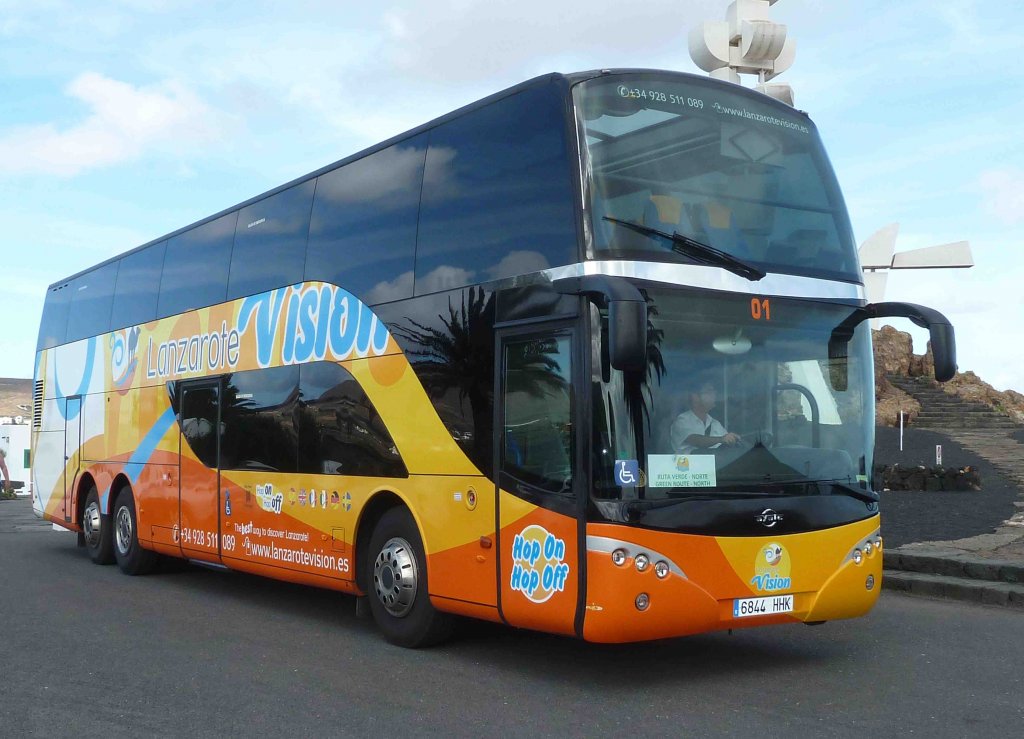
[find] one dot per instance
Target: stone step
(939, 425)
(974, 423)
(961, 413)
(960, 409)
(987, 592)
(976, 420)
(953, 563)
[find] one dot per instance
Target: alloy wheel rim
(91, 524)
(396, 577)
(123, 529)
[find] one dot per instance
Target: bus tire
(396, 578)
(131, 557)
(96, 530)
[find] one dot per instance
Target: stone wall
(894, 477)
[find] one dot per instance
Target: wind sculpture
(878, 256)
(746, 42)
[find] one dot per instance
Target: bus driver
(696, 428)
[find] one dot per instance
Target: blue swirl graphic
(83, 386)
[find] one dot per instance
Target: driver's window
(537, 411)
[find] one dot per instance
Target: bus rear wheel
(396, 579)
(96, 530)
(131, 557)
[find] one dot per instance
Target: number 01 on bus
(590, 356)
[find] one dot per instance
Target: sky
(123, 120)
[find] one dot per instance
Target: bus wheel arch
(370, 516)
(388, 538)
(96, 526)
(85, 484)
(131, 557)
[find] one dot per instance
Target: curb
(952, 563)
(985, 592)
(955, 575)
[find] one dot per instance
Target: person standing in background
(7, 493)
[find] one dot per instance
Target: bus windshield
(740, 398)
(727, 168)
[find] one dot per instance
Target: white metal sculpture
(746, 42)
(878, 255)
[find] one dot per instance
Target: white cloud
(123, 124)
(444, 278)
(1003, 193)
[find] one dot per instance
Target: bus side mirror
(627, 316)
(940, 332)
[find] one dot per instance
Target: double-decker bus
(458, 374)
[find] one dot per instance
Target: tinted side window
(496, 194)
(537, 411)
(340, 432)
(198, 421)
(91, 295)
(449, 340)
(53, 328)
(258, 420)
(270, 242)
(195, 270)
(138, 283)
(363, 231)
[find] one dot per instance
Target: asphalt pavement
(87, 651)
(921, 516)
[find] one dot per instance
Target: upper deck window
(135, 292)
(270, 242)
(195, 272)
(728, 168)
(91, 296)
(363, 230)
(497, 194)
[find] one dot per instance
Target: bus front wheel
(96, 530)
(396, 580)
(131, 557)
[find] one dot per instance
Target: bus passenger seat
(666, 213)
(720, 230)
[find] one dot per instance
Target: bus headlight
(661, 570)
(868, 548)
(642, 562)
(858, 556)
(619, 557)
(643, 601)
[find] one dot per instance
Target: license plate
(742, 607)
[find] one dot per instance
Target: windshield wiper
(868, 496)
(696, 250)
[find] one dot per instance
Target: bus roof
(567, 79)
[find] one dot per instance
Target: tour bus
(457, 374)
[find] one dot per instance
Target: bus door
(72, 451)
(199, 478)
(537, 490)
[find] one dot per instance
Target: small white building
(15, 439)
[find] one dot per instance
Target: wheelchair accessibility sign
(627, 472)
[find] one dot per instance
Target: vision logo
(309, 322)
(538, 571)
(772, 569)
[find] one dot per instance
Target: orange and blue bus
(590, 356)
